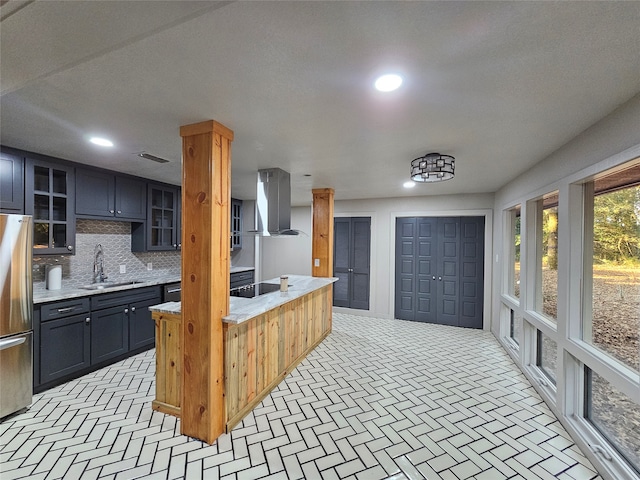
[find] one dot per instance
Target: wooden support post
(322, 242)
(206, 178)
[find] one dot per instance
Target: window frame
(575, 250)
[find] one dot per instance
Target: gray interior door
(471, 271)
(351, 264)
(440, 270)
(415, 269)
(448, 271)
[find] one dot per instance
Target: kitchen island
(264, 339)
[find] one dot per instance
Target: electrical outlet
(316, 262)
(123, 269)
(149, 266)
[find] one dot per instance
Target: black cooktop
(253, 290)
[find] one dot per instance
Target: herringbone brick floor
(378, 399)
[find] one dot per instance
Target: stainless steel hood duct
(273, 203)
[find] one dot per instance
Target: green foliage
(616, 229)
(550, 236)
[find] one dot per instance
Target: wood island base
(258, 353)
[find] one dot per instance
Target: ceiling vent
(148, 156)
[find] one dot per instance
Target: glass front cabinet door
(49, 198)
(163, 211)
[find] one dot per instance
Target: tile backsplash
(115, 238)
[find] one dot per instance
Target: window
(614, 415)
(611, 320)
(514, 253)
(547, 356)
(515, 327)
(547, 256)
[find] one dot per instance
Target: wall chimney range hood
(273, 203)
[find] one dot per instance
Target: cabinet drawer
(65, 308)
(241, 278)
(116, 299)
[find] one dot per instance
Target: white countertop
(243, 309)
(66, 293)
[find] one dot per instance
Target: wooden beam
(206, 170)
(322, 241)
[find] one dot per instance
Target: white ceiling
(498, 85)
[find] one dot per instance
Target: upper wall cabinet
(49, 197)
(11, 182)
(236, 224)
(162, 230)
(104, 195)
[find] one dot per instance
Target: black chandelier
(433, 167)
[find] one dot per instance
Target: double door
(351, 262)
(440, 270)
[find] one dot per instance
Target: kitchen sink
(105, 285)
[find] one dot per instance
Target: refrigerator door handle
(12, 342)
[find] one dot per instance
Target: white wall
(383, 213)
(287, 254)
(611, 141)
(293, 255)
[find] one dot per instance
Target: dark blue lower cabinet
(64, 347)
(142, 328)
(109, 333)
(98, 330)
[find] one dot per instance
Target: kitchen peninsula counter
(243, 309)
(264, 339)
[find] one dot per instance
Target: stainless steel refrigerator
(16, 313)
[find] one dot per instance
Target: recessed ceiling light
(103, 142)
(409, 184)
(388, 83)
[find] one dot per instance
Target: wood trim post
(206, 175)
(322, 241)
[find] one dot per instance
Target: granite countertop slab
(41, 295)
(66, 293)
(167, 307)
(243, 309)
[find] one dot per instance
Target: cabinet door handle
(119, 211)
(126, 310)
(65, 310)
(440, 278)
(434, 277)
(175, 245)
(70, 248)
(133, 309)
(87, 320)
(111, 211)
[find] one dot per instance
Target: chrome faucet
(98, 265)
